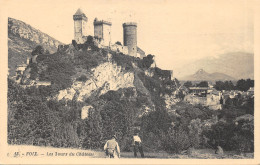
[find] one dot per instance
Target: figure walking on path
(138, 145)
(112, 148)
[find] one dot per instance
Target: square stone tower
(102, 31)
(80, 26)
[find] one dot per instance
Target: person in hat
(111, 148)
(138, 145)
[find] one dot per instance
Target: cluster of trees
(232, 133)
(200, 84)
(242, 85)
(56, 68)
(165, 131)
(38, 50)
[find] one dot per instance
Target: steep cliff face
(103, 78)
(22, 39)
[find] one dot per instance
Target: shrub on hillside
(59, 69)
(33, 120)
(88, 59)
(82, 78)
(176, 140)
(182, 137)
(38, 50)
(231, 136)
(147, 61)
(118, 43)
(125, 61)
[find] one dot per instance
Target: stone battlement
(80, 17)
(130, 24)
(100, 22)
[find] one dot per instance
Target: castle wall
(107, 35)
(130, 37)
(78, 31)
(98, 29)
(119, 48)
(84, 28)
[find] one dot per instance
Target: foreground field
(36, 151)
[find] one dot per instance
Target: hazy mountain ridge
(201, 75)
(235, 64)
(22, 39)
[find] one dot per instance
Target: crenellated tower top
(79, 15)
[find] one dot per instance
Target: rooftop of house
(198, 88)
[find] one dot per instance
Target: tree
(227, 85)
(202, 84)
(188, 84)
(118, 43)
(89, 39)
(147, 61)
(219, 85)
(38, 50)
(244, 85)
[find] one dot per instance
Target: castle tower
(102, 30)
(80, 26)
(130, 37)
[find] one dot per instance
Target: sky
(175, 31)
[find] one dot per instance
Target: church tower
(80, 26)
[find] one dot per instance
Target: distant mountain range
(22, 39)
(236, 64)
(202, 75)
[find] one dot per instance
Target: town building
(205, 96)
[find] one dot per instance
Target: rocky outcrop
(105, 77)
(85, 111)
(26, 31)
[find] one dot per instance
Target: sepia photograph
(148, 81)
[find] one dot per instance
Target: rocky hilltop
(22, 39)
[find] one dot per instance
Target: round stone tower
(130, 37)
